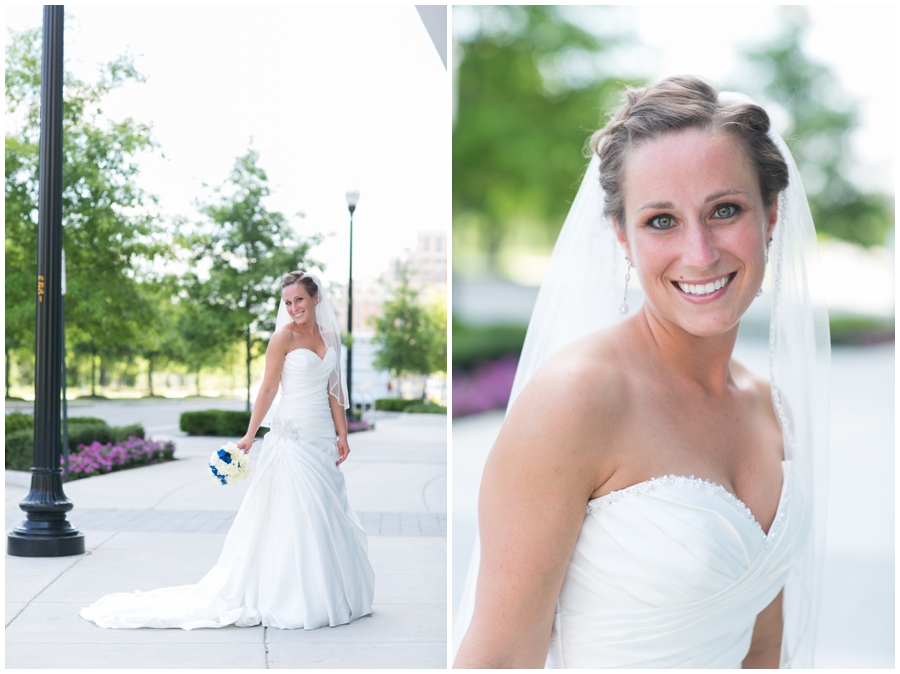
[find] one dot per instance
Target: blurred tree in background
(410, 335)
(108, 220)
(529, 95)
(821, 123)
(119, 307)
(245, 249)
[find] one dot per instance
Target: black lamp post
(352, 200)
(46, 532)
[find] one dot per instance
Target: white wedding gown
(296, 555)
(672, 572)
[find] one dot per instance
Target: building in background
(425, 267)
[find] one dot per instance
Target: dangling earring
(624, 308)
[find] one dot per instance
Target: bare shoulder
(572, 404)
(281, 340)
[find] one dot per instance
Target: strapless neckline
(595, 504)
(327, 349)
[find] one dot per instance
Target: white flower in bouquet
(229, 464)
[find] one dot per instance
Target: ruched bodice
(672, 572)
(304, 408)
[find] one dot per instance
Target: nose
(700, 250)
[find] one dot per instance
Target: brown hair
(300, 277)
(675, 104)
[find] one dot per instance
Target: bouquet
(229, 464)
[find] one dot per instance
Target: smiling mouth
(701, 289)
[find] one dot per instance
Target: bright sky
(331, 96)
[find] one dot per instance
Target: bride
(649, 502)
(296, 555)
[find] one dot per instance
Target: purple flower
(487, 387)
(103, 458)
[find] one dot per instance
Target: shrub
(425, 408)
(85, 434)
(19, 449)
(217, 422)
(122, 433)
(98, 458)
(393, 404)
(476, 344)
(82, 431)
(18, 421)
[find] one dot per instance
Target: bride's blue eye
(726, 211)
(662, 222)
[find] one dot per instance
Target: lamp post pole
(46, 532)
(352, 200)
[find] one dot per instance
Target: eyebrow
(656, 205)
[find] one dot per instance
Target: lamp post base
(45, 539)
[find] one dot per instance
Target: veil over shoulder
(581, 293)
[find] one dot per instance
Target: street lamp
(352, 200)
(46, 532)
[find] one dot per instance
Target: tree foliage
(524, 114)
(822, 121)
(108, 220)
(410, 336)
(245, 248)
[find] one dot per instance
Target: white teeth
(704, 288)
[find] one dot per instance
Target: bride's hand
(343, 450)
(245, 443)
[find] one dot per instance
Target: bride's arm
(275, 354)
(536, 484)
(340, 426)
(765, 647)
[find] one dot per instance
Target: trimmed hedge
(410, 406)
(425, 408)
(82, 431)
(393, 404)
(475, 344)
(221, 423)
(18, 421)
(20, 449)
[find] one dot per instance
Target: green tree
(437, 322)
(246, 248)
(822, 120)
(408, 335)
(108, 220)
(525, 109)
(203, 338)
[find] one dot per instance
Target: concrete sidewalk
(165, 525)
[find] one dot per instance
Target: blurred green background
(532, 83)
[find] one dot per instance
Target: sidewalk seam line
(44, 589)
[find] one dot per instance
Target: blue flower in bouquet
(229, 464)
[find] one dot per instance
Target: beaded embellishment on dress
(610, 499)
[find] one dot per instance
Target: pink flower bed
(487, 387)
(97, 458)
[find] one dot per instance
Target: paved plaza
(165, 525)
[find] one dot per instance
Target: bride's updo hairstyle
(674, 104)
(300, 277)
